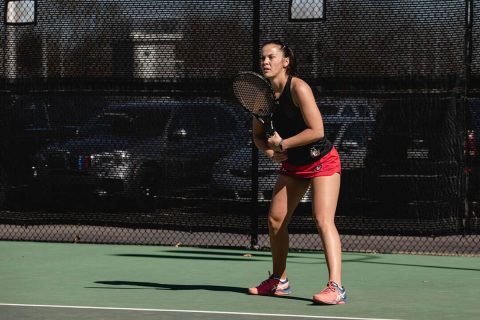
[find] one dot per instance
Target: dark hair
(287, 53)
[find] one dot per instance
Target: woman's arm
(261, 143)
(258, 131)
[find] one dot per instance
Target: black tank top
(288, 121)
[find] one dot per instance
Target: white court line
(190, 311)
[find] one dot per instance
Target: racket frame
(267, 119)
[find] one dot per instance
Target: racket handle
(269, 128)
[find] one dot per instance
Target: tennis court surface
(80, 281)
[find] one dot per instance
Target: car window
(475, 119)
(128, 122)
(150, 123)
(34, 115)
(108, 123)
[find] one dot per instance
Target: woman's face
(273, 61)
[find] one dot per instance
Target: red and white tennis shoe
(271, 287)
(332, 294)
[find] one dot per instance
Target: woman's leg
(287, 193)
(325, 192)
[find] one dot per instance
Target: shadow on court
(166, 256)
(317, 258)
(176, 287)
(260, 254)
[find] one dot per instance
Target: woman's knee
(324, 223)
(276, 221)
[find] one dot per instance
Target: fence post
(467, 218)
(468, 43)
(254, 174)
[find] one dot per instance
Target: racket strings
(255, 95)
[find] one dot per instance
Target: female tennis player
(307, 159)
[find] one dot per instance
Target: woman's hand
(276, 156)
(274, 142)
(279, 157)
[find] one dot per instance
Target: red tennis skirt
(325, 166)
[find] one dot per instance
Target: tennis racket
(256, 95)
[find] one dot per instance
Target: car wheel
(147, 183)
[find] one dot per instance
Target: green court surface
(81, 281)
